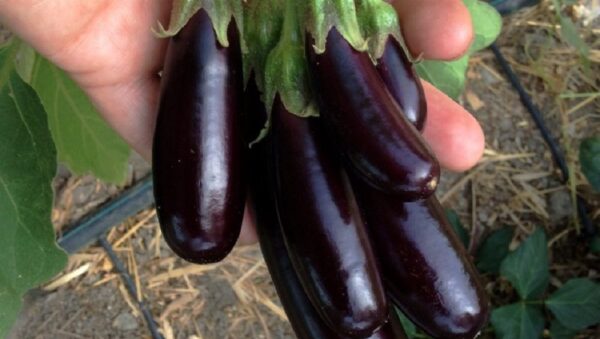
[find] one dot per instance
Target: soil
(515, 185)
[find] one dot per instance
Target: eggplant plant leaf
(410, 329)
(595, 244)
(27, 242)
(589, 158)
(576, 304)
(559, 331)
(493, 250)
(487, 24)
(458, 227)
(85, 143)
(449, 76)
(527, 267)
(518, 321)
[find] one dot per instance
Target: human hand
(110, 51)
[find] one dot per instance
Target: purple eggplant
(322, 227)
(402, 81)
(378, 141)
(304, 319)
(426, 270)
(199, 184)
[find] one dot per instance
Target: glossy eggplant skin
(323, 229)
(304, 319)
(425, 269)
(199, 184)
(402, 82)
(378, 141)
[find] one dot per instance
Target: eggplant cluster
(343, 202)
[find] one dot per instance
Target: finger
(248, 232)
(454, 135)
(437, 29)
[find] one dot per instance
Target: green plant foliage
(589, 158)
(595, 244)
(570, 34)
(449, 76)
(576, 304)
(83, 140)
(27, 245)
(220, 12)
(518, 321)
(458, 227)
(568, 30)
(409, 328)
(527, 267)
(559, 331)
(493, 250)
(487, 24)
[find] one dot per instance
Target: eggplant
(381, 146)
(322, 227)
(199, 184)
(403, 83)
(426, 270)
(304, 319)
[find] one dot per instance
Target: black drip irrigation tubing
(118, 264)
(95, 225)
(557, 154)
(127, 204)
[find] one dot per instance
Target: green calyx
(274, 35)
(322, 15)
(378, 21)
(220, 12)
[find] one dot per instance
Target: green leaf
(8, 51)
(595, 244)
(28, 164)
(559, 331)
(576, 304)
(487, 24)
(449, 76)
(589, 158)
(518, 321)
(83, 140)
(570, 34)
(493, 250)
(409, 327)
(527, 267)
(457, 226)
(24, 61)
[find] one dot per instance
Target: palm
(107, 46)
(99, 42)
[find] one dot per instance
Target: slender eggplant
(304, 319)
(322, 227)
(199, 184)
(402, 81)
(425, 269)
(379, 142)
